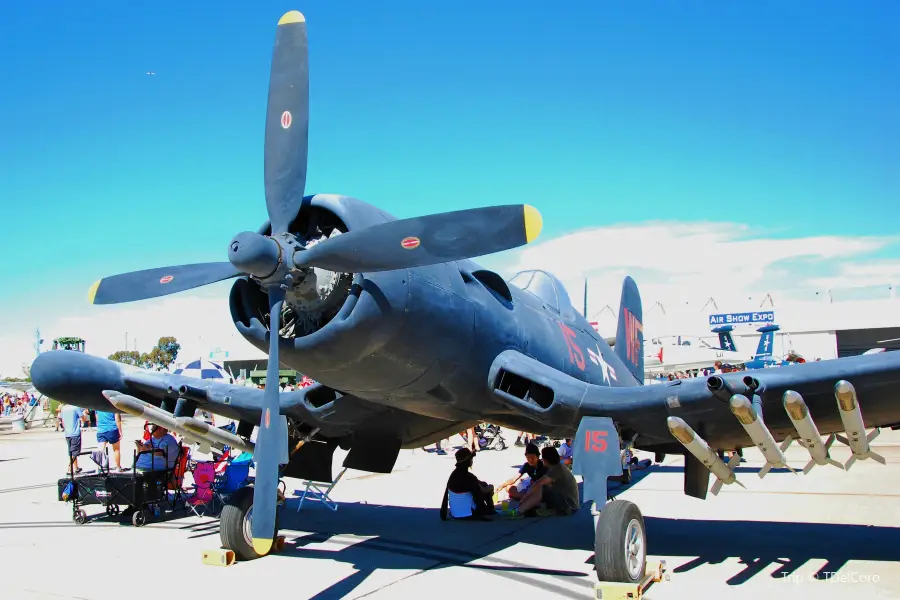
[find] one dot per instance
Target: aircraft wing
(86, 381)
(80, 379)
(667, 417)
(558, 400)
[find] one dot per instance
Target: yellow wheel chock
(611, 590)
(218, 557)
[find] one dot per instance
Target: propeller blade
(152, 283)
(427, 240)
(287, 122)
(265, 490)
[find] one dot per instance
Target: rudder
(630, 333)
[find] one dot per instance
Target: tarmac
(828, 534)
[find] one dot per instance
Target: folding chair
(204, 474)
(230, 477)
(316, 490)
(176, 479)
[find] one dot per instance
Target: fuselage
(423, 340)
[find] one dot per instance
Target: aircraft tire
(234, 526)
(620, 543)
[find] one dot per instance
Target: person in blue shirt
(71, 419)
(160, 439)
(109, 431)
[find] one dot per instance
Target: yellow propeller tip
(262, 546)
(294, 16)
(533, 223)
(92, 293)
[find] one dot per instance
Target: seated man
(166, 454)
(565, 452)
(469, 499)
(557, 489)
(533, 469)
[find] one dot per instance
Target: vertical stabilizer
(726, 340)
(630, 334)
(766, 341)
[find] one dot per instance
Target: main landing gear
(620, 543)
(234, 525)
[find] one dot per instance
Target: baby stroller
(490, 437)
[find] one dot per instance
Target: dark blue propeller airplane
(409, 341)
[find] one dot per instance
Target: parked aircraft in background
(681, 355)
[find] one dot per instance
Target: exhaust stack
(810, 438)
(697, 446)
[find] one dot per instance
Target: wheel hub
(246, 529)
(634, 549)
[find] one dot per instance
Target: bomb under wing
(697, 446)
(138, 408)
(747, 416)
(213, 434)
(810, 438)
(854, 426)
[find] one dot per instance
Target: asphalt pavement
(822, 535)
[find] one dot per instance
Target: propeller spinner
(279, 260)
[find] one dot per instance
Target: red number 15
(594, 442)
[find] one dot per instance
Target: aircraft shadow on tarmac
(412, 538)
(404, 538)
(759, 544)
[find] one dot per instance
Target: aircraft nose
(76, 378)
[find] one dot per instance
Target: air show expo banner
(747, 318)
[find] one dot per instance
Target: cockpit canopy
(548, 290)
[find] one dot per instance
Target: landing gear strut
(620, 543)
(234, 525)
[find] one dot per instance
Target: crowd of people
(16, 403)
(544, 485)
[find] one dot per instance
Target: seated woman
(469, 499)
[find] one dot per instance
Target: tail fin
(630, 334)
(766, 341)
(726, 341)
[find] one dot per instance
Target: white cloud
(683, 265)
(870, 273)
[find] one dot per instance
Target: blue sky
(780, 116)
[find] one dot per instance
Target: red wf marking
(576, 356)
(594, 442)
(634, 329)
